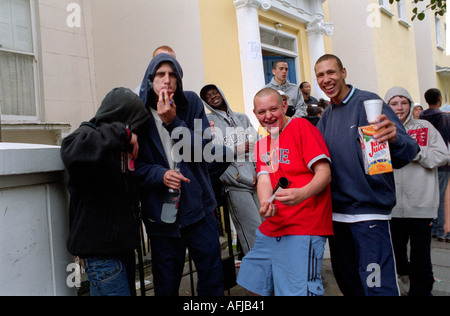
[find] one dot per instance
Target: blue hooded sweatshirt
(197, 197)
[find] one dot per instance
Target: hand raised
(167, 110)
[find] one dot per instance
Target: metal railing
(143, 267)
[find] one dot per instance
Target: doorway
(268, 60)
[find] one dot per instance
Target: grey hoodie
(233, 129)
(417, 189)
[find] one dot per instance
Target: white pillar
(315, 31)
(250, 52)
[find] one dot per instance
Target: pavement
(440, 256)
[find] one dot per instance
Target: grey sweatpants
(244, 209)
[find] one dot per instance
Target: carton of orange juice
(377, 157)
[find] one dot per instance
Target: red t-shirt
(298, 147)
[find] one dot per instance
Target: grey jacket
(417, 188)
(294, 94)
(232, 129)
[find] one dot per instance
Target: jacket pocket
(246, 173)
(239, 175)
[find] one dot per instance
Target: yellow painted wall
(395, 54)
(221, 54)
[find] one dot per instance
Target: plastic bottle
(170, 207)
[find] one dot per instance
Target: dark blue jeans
(111, 276)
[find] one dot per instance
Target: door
(268, 62)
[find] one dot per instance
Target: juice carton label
(377, 157)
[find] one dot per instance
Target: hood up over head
(121, 105)
(231, 118)
(401, 92)
(203, 97)
(146, 92)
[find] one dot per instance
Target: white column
(250, 52)
(315, 31)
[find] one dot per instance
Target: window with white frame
(439, 42)
(401, 9)
(18, 62)
(402, 15)
(445, 38)
(385, 7)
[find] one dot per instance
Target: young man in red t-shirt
(287, 256)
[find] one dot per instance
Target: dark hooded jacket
(197, 197)
(103, 220)
(441, 121)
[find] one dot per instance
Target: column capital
(265, 4)
(318, 26)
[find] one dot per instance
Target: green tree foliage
(438, 6)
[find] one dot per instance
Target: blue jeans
(438, 223)
(107, 277)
